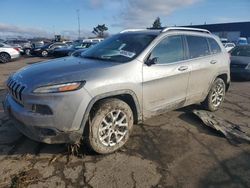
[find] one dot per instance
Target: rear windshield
(241, 51)
(120, 48)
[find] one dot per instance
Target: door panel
(200, 78)
(204, 67)
(164, 87)
(165, 83)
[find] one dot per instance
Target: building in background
(230, 31)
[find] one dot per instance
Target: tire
(4, 57)
(215, 96)
(44, 53)
(27, 52)
(107, 134)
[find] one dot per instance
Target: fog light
(47, 132)
(41, 109)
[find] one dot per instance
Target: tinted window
(214, 46)
(169, 50)
(198, 46)
(241, 51)
(57, 45)
(1, 45)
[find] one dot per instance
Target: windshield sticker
(126, 53)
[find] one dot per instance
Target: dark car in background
(78, 53)
(47, 49)
(240, 62)
(67, 51)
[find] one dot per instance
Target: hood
(60, 70)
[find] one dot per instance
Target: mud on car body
(120, 82)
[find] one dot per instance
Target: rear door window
(214, 46)
(198, 46)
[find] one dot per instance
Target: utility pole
(78, 18)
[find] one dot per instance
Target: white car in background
(229, 46)
(8, 53)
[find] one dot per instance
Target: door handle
(182, 68)
(213, 62)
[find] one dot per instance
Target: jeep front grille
(16, 90)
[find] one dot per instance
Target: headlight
(60, 87)
(248, 66)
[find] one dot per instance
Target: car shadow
(14, 143)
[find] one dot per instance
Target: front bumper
(61, 127)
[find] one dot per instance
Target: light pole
(78, 18)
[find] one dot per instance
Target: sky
(44, 18)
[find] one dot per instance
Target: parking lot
(171, 150)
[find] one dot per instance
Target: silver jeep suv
(121, 81)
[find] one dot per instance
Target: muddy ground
(171, 150)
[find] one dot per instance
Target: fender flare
(107, 95)
(214, 78)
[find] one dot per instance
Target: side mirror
(152, 61)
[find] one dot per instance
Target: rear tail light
(17, 49)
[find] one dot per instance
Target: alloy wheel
(113, 128)
(218, 95)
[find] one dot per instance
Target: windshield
(45, 45)
(241, 51)
(120, 48)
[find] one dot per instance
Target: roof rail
(185, 29)
(132, 30)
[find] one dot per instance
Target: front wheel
(215, 96)
(111, 126)
(44, 53)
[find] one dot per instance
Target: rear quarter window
(198, 46)
(214, 46)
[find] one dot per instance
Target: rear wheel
(111, 126)
(215, 96)
(4, 57)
